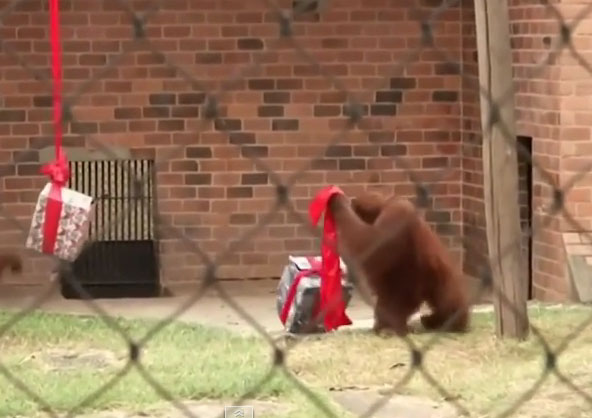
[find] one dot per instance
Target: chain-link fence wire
(355, 112)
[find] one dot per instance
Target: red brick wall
(282, 111)
(538, 116)
(576, 130)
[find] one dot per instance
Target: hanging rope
(57, 170)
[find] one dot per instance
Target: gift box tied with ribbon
(298, 303)
(61, 217)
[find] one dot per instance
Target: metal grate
(116, 192)
(122, 258)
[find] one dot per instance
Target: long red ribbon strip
(331, 298)
(57, 170)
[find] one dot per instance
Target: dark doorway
(525, 202)
(121, 257)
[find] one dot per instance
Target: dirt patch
(202, 409)
(72, 359)
(359, 402)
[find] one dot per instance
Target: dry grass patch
(479, 372)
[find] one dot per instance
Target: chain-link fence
(355, 112)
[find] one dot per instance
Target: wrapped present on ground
(60, 223)
(298, 294)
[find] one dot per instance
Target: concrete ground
(256, 299)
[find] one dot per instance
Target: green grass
(485, 375)
(190, 362)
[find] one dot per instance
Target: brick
(158, 112)
(365, 151)
(326, 110)
(305, 7)
(198, 179)
(445, 96)
(127, 113)
(435, 162)
(432, 3)
(278, 97)
(185, 112)
(242, 219)
(289, 83)
(402, 83)
(198, 152)
(184, 165)
(84, 128)
(190, 98)
(333, 97)
(18, 183)
(239, 192)
(161, 99)
(254, 178)
(150, 58)
(438, 216)
(162, 72)
(27, 156)
(228, 124)
(12, 115)
(182, 192)
(335, 43)
(391, 96)
(383, 110)
(285, 124)
(42, 101)
(92, 59)
(270, 111)
(393, 150)
(171, 125)
(250, 44)
(7, 170)
(241, 138)
(208, 58)
(254, 151)
(447, 68)
(118, 86)
(350, 110)
(28, 169)
(352, 164)
(338, 151)
(261, 84)
(323, 164)
(381, 136)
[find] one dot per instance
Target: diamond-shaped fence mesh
(291, 95)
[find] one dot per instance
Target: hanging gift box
(61, 219)
(60, 223)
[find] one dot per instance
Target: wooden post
(500, 168)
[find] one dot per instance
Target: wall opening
(121, 258)
(525, 202)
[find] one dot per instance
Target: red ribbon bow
(331, 300)
(57, 170)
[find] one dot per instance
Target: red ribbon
(57, 170)
(331, 300)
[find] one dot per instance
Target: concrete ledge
(47, 154)
(578, 252)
